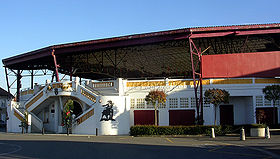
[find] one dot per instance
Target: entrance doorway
(144, 117)
(77, 109)
(181, 117)
(265, 115)
(226, 115)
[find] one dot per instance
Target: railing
(37, 122)
(18, 114)
(34, 99)
(88, 94)
(92, 89)
(83, 117)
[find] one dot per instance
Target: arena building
(109, 79)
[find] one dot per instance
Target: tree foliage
(156, 97)
(67, 114)
(272, 93)
(216, 97)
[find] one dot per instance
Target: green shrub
(144, 130)
(141, 130)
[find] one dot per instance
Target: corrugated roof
(129, 40)
(168, 32)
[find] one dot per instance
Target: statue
(107, 113)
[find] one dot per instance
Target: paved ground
(29, 146)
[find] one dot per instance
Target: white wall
(121, 114)
(208, 115)
(243, 110)
(121, 125)
(13, 122)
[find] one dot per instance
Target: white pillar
(242, 134)
(212, 133)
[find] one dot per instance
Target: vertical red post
(56, 66)
(201, 88)
(199, 101)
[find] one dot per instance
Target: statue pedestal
(108, 128)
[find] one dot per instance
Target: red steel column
(56, 66)
(199, 101)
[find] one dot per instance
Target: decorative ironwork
(103, 84)
(85, 116)
(88, 95)
(146, 84)
(35, 99)
(18, 116)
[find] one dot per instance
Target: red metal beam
(235, 27)
(194, 51)
(56, 66)
(236, 33)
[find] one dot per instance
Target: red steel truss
(197, 78)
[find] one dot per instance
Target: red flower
(68, 113)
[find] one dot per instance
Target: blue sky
(32, 24)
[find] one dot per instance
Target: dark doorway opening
(144, 117)
(226, 115)
(77, 109)
(265, 116)
(181, 117)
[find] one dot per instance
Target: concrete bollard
(212, 133)
(267, 133)
(242, 134)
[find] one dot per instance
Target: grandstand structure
(119, 72)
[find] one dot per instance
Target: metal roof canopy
(173, 53)
(158, 54)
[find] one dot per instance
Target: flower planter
(257, 132)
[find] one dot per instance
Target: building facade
(5, 99)
(113, 76)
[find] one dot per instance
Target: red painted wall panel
(181, 117)
(260, 64)
(144, 117)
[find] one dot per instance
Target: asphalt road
(126, 147)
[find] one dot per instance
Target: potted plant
(257, 130)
